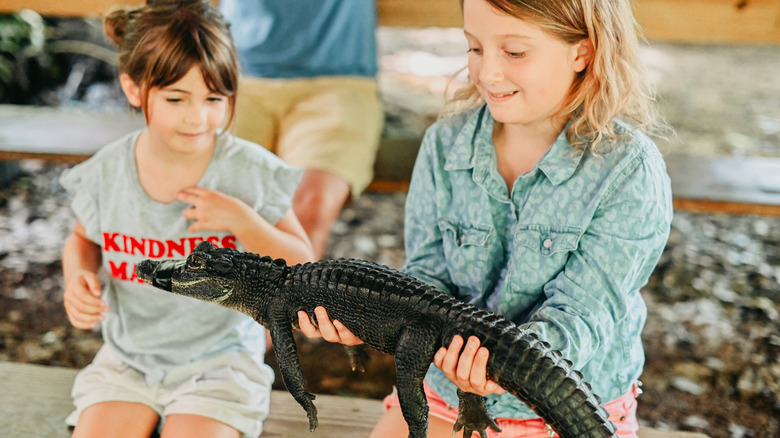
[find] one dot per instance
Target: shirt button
(547, 243)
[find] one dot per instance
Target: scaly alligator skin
(396, 314)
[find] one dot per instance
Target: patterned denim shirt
(564, 254)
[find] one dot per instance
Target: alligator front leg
(413, 355)
(473, 415)
(290, 367)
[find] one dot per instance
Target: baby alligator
(396, 314)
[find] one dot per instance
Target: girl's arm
(423, 247)
(81, 259)
(217, 211)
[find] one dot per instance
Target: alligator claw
(311, 412)
(473, 415)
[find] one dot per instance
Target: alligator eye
(196, 261)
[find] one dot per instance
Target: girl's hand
(331, 331)
(467, 369)
(82, 300)
(213, 210)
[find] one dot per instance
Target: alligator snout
(158, 273)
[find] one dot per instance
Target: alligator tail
(538, 375)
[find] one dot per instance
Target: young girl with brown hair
(191, 367)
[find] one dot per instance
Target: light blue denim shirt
(565, 254)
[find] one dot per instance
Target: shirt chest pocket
(548, 241)
(462, 235)
(467, 251)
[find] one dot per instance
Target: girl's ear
(583, 54)
(131, 89)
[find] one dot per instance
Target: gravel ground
(712, 337)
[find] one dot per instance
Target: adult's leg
(318, 201)
(333, 133)
(116, 419)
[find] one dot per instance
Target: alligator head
(233, 279)
(207, 274)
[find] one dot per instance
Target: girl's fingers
(306, 326)
(345, 335)
(449, 362)
(189, 213)
(478, 377)
(328, 330)
(466, 359)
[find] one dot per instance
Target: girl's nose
(490, 71)
(195, 115)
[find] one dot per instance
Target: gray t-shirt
(152, 330)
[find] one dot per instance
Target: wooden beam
(747, 185)
(79, 8)
(727, 207)
(692, 21)
(420, 13)
(710, 21)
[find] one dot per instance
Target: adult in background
(309, 94)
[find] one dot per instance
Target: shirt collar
(475, 141)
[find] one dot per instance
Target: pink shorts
(622, 412)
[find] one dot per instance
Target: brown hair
(161, 41)
(612, 85)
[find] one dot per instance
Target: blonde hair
(161, 41)
(612, 86)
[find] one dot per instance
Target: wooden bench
(730, 185)
(35, 399)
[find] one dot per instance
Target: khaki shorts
(328, 123)
(231, 388)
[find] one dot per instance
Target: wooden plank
(70, 8)
(747, 185)
(710, 21)
(35, 399)
(348, 417)
(60, 132)
(420, 13)
(697, 21)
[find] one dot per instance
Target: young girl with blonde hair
(541, 198)
(191, 367)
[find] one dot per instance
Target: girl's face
(523, 73)
(185, 116)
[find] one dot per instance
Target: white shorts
(231, 388)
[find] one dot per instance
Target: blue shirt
(564, 254)
(303, 38)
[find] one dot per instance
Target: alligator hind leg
(358, 357)
(473, 415)
(413, 355)
(290, 368)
